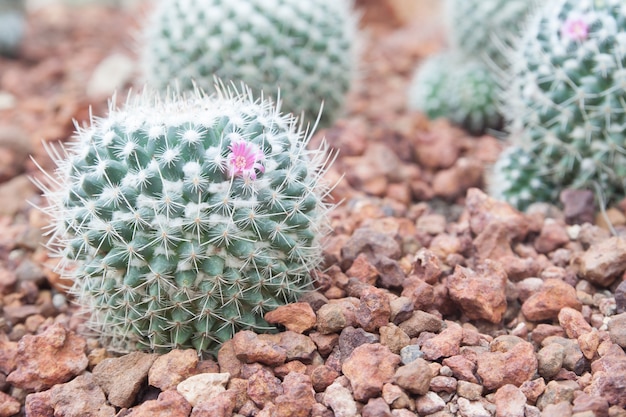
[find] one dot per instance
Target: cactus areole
(184, 219)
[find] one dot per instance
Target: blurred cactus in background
(461, 89)
(479, 32)
(305, 49)
(182, 220)
(566, 101)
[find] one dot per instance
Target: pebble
(297, 317)
(510, 401)
(573, 322)
(513, 366)
(409, 353)
(250, 348)
(578, 206)
(122, 378)
(368, 368)
(445, 344)
(603, 261)
(421, 321)
(168, 404)
(9, 406)
(335, 316)
(550, 360)
(620, 297)
(201, 388)
(617, 329)
(481, 292)
(552, 236)
(556, 392)
(469, 408)
(47, 359)
(429, 403)
(471, 391)
(298, 396)
(80, 397)
(414, 377)
(263, 387)
(548, 301)
(222, 405)
(340, 400)
(376, 407)
(172, 368)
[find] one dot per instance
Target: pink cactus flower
(244, 159)
(575, 28)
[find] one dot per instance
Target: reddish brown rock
(168, 404)
(494, 242)
(298, 396)
(578, 206)
(552, 236)
(371, 243)
(222, 405)
(170, 369)
(533, 389)
(573, 322)
(80, 397)
(420, 292)
(322, 376)
(297, 317)
(585, 402)
(509, 401)
(47, 359)
(38, 405)
(250, 348)
(297, 346)
(363, 270)
(263, 387)
(324, 342)
(393, 337)
(480, 293)
(603, 261)
(609, 376)
(414, 377)
(374, 311)
(8, 354)
(9, 406)
(376, 407)
(122, 378)
(445, 344)
(368, 368)
(421, 321)
(549, 300)
(426, 266)
(484, 210)
(462, 367)
(227, 359)
(334, 316)
(454, 181)
(437, 151)
(513, 366)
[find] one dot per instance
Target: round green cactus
(484, 28)
(517, 179)
(183, 220)
(12, 26)
(300, 50)
(460, 89)
(566, 101)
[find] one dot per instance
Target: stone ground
(435, 300)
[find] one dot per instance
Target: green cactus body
(185, 219)
(483, 28)
(300, 50)
(566, 101)
(12, 26)
(461, 89)
(517, 179)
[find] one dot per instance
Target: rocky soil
(433, 299)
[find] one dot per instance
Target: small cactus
(461, 89)
(566, 100)
(302, 50)
(12, 26)
(182, 220)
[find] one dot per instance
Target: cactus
(566, 101)
(460, 89)
(12, 26)
(484, 28)
(300, 50)
(182, 220)
(517, 179)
